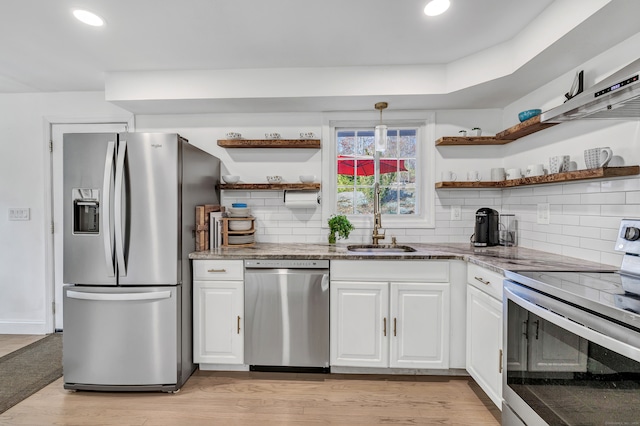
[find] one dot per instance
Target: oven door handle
(573, 326)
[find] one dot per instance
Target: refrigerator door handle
(118, 296)
(106, 209)
(117, 208)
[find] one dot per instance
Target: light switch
(543, 213)
(456, 213)
(16, 213)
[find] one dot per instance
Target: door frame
(128, 120)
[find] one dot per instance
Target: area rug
(29, 369)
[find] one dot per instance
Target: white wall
(23, 157)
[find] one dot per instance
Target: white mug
(498, 174)
(534, 170)
(514, 174)
(597, 157)
(449, 176)
(473, 176)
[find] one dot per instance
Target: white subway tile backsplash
(581, 253)
(633, 197)
(581, 231)
(612, 223)
(585, 217)
(603, 198)
(580, 188)
(620, 185)
(578, 210)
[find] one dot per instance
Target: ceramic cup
(559, 164)
(514, 174)
(474, 176)
(573, 166)
(534, 170)
(597, 157)
(498, 174)
(449, 176)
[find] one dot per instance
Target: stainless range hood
(617, 97)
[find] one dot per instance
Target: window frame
(424, 121)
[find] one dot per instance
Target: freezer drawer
(120, 337)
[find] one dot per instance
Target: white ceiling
(44, 49)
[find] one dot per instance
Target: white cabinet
(359, 313)
(484, 342)
(378, 322)
(484, 330)
(218, 312)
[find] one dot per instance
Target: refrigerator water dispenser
(86, 211)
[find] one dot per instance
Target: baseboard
(30, 327)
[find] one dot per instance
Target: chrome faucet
(377, 217)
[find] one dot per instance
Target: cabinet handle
(500, 362)
(216, 270)
(238, 324)
(384, 331)
(394, 327)
(537, 323)
(482, 280)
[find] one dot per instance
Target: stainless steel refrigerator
(129, 225)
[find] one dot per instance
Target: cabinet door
(419, 325)
(484, 342)
(359, 324)
(218, 322)
(552, 348)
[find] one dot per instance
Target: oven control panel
(629, 236)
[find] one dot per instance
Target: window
(358, 166)
(405, 170)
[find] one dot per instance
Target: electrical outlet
(543, 213)
(456, 213)
(19, 213)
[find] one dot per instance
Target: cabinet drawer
(390, 270)
(216, 270)
(488, 281)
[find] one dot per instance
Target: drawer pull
(482, 280)
(385, 327)
(238, 324)
(500, 362)
(394, 327)
(216, 270)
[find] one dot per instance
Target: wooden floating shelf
(511, 134)
(603, 172)
(270, 186)
(269, 143)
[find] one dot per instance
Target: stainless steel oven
(572, 343)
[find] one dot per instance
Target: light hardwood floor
(13, 342)
(265, 399)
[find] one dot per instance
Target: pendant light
(380, 135)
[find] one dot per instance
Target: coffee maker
(486, 230)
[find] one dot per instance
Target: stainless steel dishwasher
(287, 315)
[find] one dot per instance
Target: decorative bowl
(274, 179)
(272, 135)
(307, 178)
(525, 115)
(239, 225)
(233, 135)
(230, 179)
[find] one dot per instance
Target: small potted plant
(462, 133)
(340, 225)
(477, 131)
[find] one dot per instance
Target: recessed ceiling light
(88, 18)
(436, 7)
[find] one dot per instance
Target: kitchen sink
(370, 248)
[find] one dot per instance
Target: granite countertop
(497, 259)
